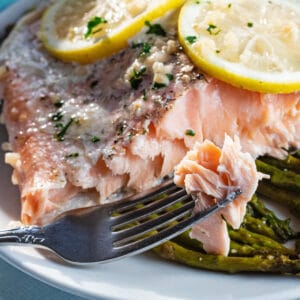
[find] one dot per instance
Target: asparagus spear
(259, 226)
(283, 179)
(281, 227)
(290, 163)
(236, 249)
(278, 264)
(258, 241)
(287, 198)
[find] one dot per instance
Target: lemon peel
(64, 26)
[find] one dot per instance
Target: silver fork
(113, 231)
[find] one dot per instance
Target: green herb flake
(158, 85)
(145, 48)
(170, 76)
(144, 97)
(191, 39)
(95, 139)
(250, 24)
(190, 132)
(60, 136)
(213, 29)
(72, 155)
(136, 79)
(59, 103)
(218, 51)
(229, 5)
(92, 24)
(155, 29)
(57, 117)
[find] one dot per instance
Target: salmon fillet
(210, 173)
(86, 134)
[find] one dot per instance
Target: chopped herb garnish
(57, 117)
(218, 51)
(72, 155)
(158, 85)
(155, 29)
(59, 125)
(92, 24)
(197, 2)
(136, 79)
(250, 24)
(229, 5)
(191, 39)
(120, 128)
(190, 132)
(145, 48)
(60, 136)
(170, 76)
(213, 29)
(95, 139)
(59, 103)
(144, 97)
(94, 83)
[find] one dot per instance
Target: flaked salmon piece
(210, 173)
(105, 136)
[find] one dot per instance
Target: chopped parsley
(229, 5)
(250, 24)
(158, 85)
(120, 128)
(72, 155)
(60, 136)
(144, 97)
(213, 29)
(190, 132)
(136, 79)
(218, 51)
(95, 139)
(191, 39)
(59, 103)
(94, 83)
(155, 29)
(170, 76)
(92, 24)
(145, 48)
(57, 117)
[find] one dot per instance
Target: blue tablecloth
(14, 284)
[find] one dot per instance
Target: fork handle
(32, 235)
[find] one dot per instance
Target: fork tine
(153, 207)
(161, 221)
(149, 242)
(147, 196)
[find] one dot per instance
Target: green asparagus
(274, 264)
(290, 163)
(258, 241)
(287, 198)
(282, 228)
(282, 179)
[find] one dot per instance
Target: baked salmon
(82, 135)
(210, 173)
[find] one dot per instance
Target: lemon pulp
(250, 44)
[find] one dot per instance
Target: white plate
(143, 277)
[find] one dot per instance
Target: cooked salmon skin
(87, 134)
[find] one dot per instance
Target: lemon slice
(250, 44)
(87, 30)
